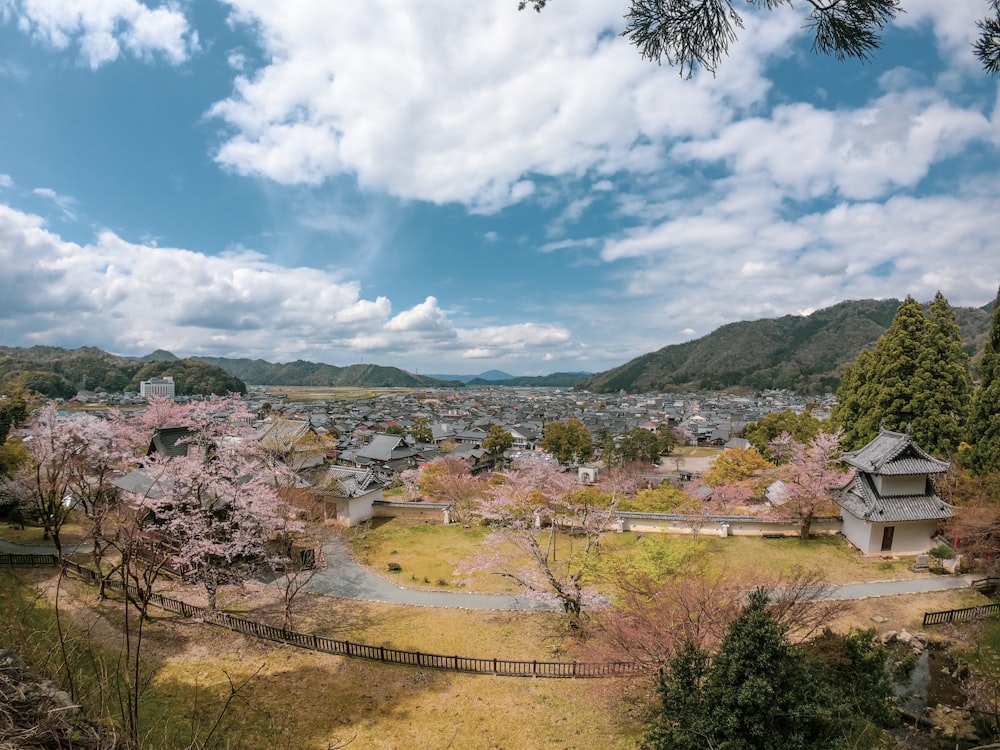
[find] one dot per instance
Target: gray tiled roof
(894, 454)
(862, 501)
(342, 481)
(139, 483)
(171, 441)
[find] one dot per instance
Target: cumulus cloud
(444, 102)
(701, 271)
(105, 29)
(118, 295)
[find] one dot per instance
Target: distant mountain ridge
(62, 373)
(807, 353)
(492, 375)
(300, 372)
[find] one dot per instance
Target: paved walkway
(344, 578)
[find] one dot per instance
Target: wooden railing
(502, 667)
(961, 615)
(8, 558)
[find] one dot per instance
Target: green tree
(940, 423)
(636, 444)
(498, 441)
(421, 431)
(13, 411)
(760, 691)
(688, 34)
(803, 427)
(738, 465)
(983, 454)
(569, 441)
(915, 381)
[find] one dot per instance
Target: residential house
(345, 493)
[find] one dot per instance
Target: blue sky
(454, 187)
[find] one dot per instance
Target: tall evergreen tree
(916, 381)
(983, 455)
(854, 400)
(943, 405)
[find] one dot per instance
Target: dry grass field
(293, 698)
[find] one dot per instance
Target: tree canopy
(916, 380)
(688, 34)
(761, 691)
(569, 441)
(803, 427)
(983, 454)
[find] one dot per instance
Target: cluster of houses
(343, 452)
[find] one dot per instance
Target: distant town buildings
(157, 387)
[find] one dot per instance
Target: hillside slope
(801, 353)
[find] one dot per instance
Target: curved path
(344, 578)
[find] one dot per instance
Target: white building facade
(158, 387)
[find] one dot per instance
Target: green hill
(261, 372)
(62, 373)
(807, 354)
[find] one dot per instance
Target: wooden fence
(7, 558)
(961, 615)
(503, 667)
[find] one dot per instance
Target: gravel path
(344, 578)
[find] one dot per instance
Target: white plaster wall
(907, 484)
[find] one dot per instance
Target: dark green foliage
(260, 372)
(983, 433)
(568, 441)
(191, 376)
(637, 444)
(689, 35)
(497, 442)
(944, 409)
(62, 373)
(421, 431)
(804, 354)
(803, 427)
(916, 381)
(760, 691)
(553, 380)
(13, 411)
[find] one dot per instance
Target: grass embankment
(300, 699)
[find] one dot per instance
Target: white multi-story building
(157, 387)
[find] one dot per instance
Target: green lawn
(428, 555)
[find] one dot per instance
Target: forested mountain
(62, 373)
(555, 380)
(802, 353)
(261, 372)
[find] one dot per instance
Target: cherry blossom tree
(810, 473)
(44, 485)
(654, 616)
(533, 494)
(216, 508)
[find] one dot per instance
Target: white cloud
(954, 25)
(66, 203)
(444, 102)
(716, 266)
(104, 29)
(118, 295)
(6, 180)
(861, 153)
